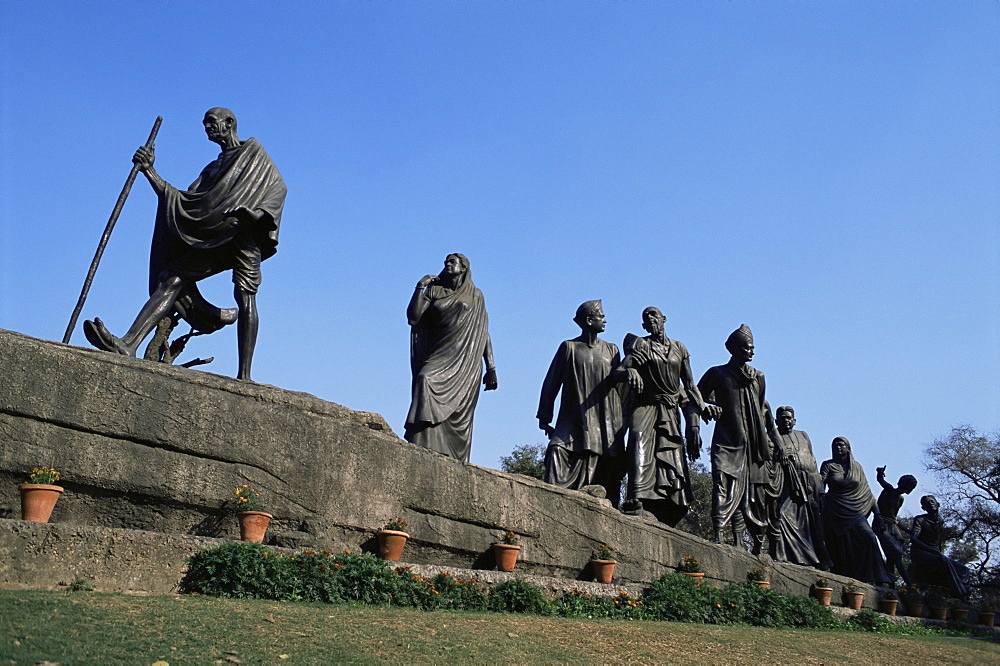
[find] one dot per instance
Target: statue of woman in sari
(449, 342)
(851, 543)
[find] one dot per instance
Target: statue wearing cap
(744, 441)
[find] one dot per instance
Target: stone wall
(149, 447)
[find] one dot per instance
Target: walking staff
(107, 235)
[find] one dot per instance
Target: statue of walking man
(659, 374)
(586, 445)
(227, 220)
(743, 440)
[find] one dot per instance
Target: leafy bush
(249, 570)
(677, 598)
(80, 585)
(868, 620)
(574, 604)
(238, 570)
(518, 596)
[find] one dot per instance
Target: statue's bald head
(221, 112)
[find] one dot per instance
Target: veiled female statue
(850, 541)
(449, 342)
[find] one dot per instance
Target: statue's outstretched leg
(159, 305)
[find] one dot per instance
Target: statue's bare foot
(632, 506)
(99, 336)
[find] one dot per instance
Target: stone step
(51, 555)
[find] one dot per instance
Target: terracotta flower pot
(38, 500)
(960, 613)
(506, 556)
(253, 524)
(823, 595)
(937, 613)
(915, 609)
(889, 606)
(390, 544)
(762, 584)
(853, 600)
(986, 619)
(604, 570)
(695, 577)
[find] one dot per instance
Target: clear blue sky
(826, 172)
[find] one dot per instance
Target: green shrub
(81, 585)
(518, 596)
(249, 570)
(868, 620)
(677, 598)
(238, 570)
(574, 604)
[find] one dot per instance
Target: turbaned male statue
(227, 220)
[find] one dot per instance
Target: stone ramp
(151, 449)
(53, 555)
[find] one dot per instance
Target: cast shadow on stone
(214, 524)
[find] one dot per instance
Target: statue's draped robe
(658, 468)
(589, 425)
(447, 345)
(801, 539)
(930, 566)
(850, 540)
(740, 438)
(195, 220)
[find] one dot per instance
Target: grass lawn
(93, 627)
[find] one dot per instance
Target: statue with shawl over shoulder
(227, 220)
(449, 343)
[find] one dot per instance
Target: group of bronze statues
(620, 421)
(618, 418)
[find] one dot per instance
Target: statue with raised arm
(662, 386)
(742, 442)
(449, 342)
(226, 220)
(928, 563)
(886, 525)
(800, 538)
(586, 445)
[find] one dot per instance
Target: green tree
(528, 460)
(698, 520)
(966, 464)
